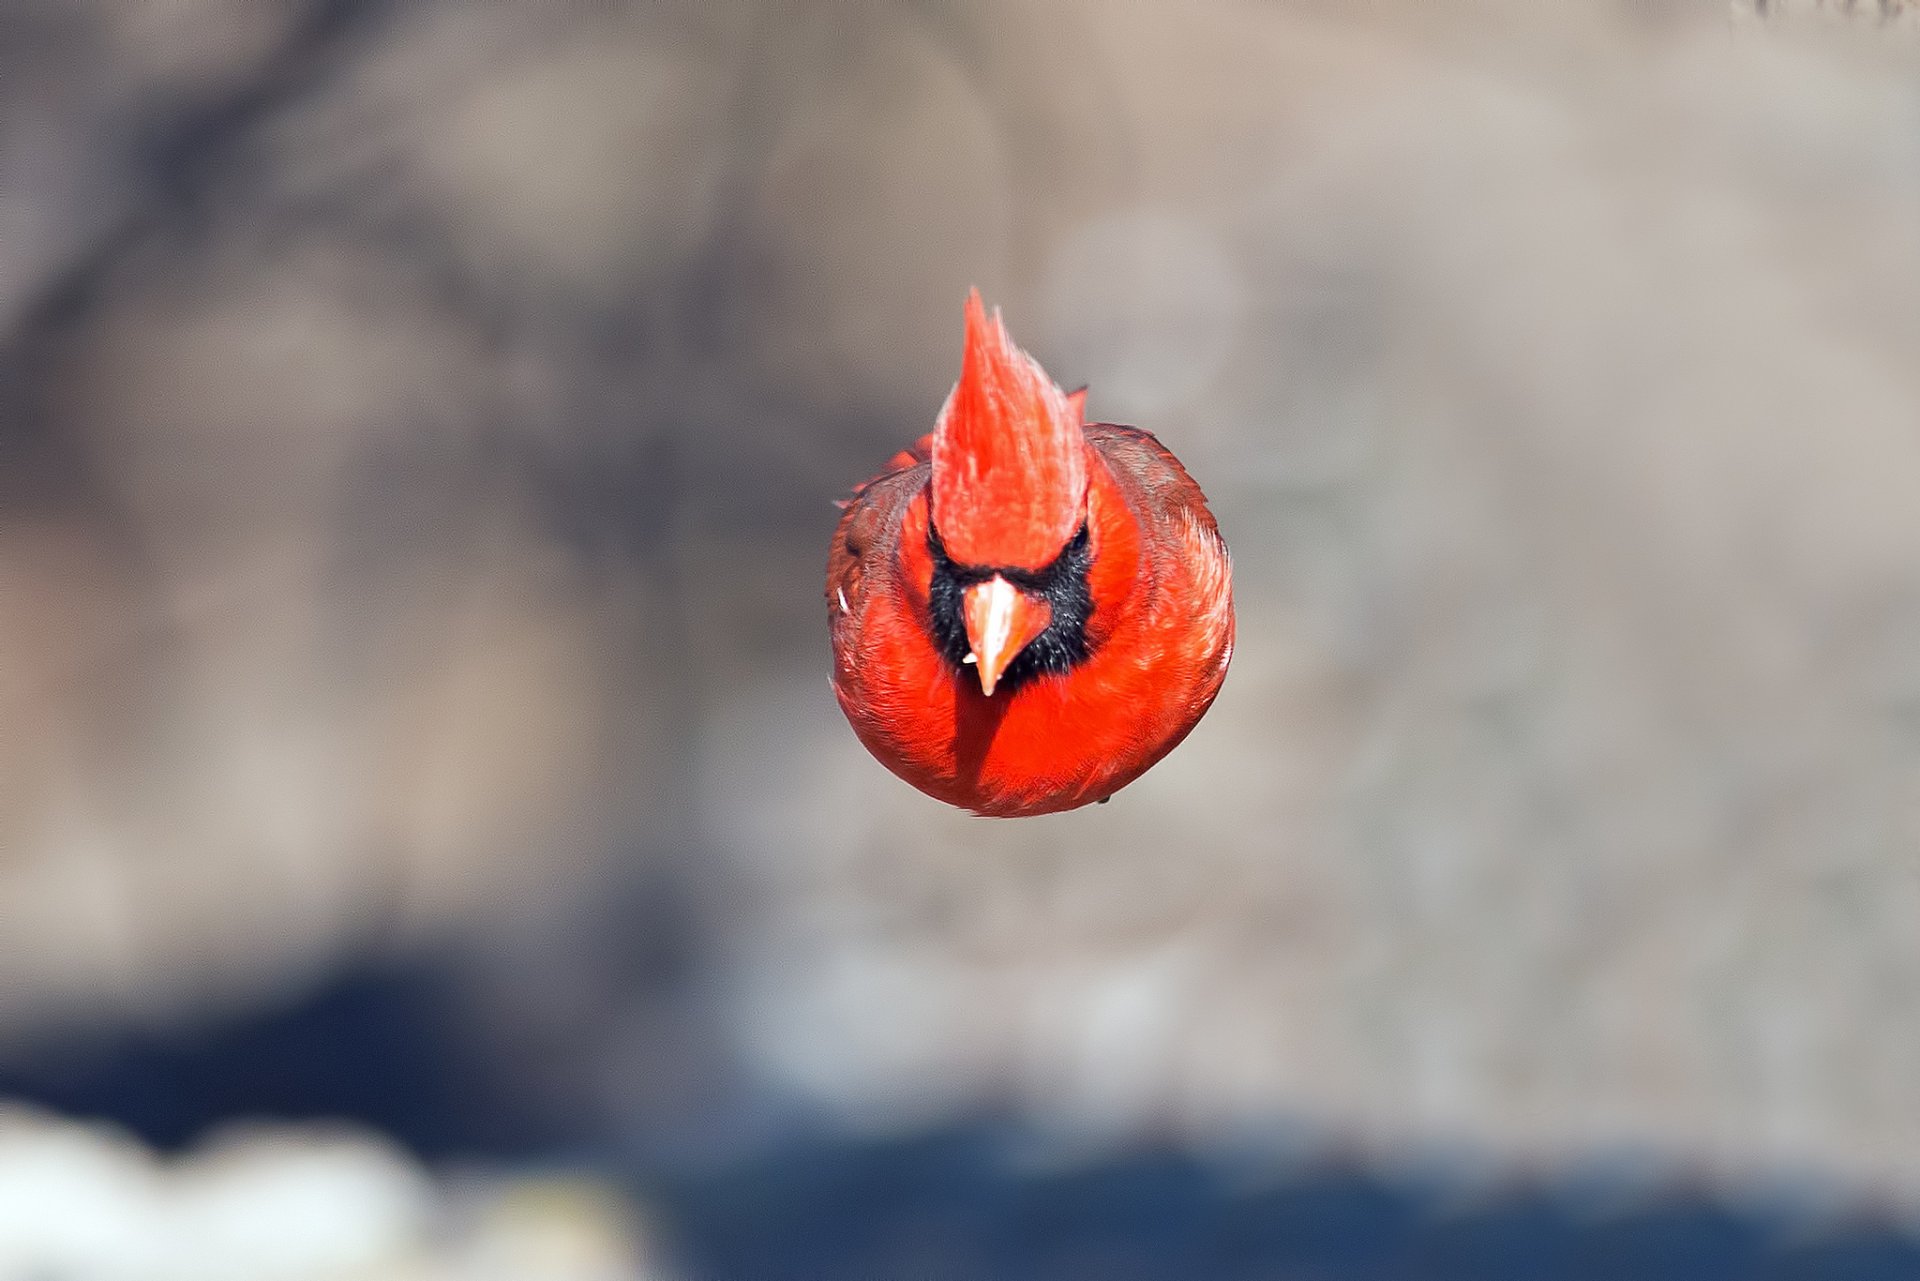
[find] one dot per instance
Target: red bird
(1027, 612)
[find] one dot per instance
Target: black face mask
(1062, 584)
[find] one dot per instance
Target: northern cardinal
(1027, 611)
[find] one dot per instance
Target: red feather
(1009, 463)
(1130, 634)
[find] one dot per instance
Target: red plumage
(1026, 612)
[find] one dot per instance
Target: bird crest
(1009, 458)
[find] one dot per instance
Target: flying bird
(1027, 610)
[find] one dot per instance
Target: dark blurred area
(428, 845)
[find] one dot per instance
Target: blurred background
(428, 845)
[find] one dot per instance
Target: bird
(1027, 611)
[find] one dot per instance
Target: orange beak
(1001, 621)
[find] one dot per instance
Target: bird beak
(1001, 621)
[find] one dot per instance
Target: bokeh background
(428, 846)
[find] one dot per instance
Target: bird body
(1027, 612)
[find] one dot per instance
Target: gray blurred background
(418, 426)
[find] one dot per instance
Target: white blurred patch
(293, 1203)
(270, 1205)
(74, 1201)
